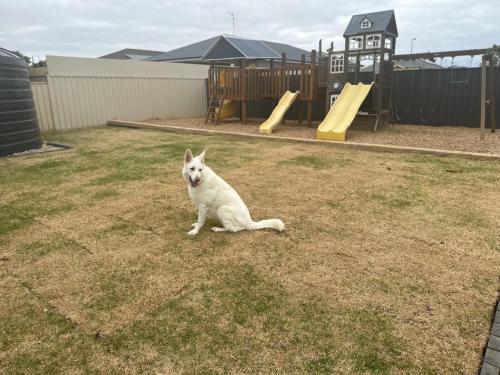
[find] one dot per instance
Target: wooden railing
(242, 84)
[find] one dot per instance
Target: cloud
(96, 27)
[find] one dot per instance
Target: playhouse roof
(226, 47)
(380, 21)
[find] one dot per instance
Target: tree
(29, 62)
(494, 52)
(40, 64)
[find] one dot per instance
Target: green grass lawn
(389, 264)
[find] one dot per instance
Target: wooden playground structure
(242, 84)
(336, 79)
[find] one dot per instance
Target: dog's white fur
(216, 199)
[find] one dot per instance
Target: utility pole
(411, 48)
(232, 15)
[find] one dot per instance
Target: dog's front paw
(193, 225)
(193, 232)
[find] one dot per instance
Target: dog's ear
(202, 156)
(188, 156)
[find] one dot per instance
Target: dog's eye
(191, 169)
(199, 170)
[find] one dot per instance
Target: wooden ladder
(214, 108)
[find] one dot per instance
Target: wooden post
(482, 124)
(346, 61)
(302, 72)
(320, 55)
(311, 88)
(491, 96)
(243, 92)
(282, 73)
(302, 86)
(283, 81)
(210, 81)
(358, 68)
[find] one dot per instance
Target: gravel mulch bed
(46, 147)
(451, 138)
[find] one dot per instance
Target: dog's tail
(275, 224)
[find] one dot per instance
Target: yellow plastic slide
(283, 105)
(229, 109)
(343, 112)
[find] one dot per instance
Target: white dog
(216, 199)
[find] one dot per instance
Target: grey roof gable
(189, 52)
(222, 49)
(228, 47)
(381, 21)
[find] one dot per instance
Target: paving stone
(494, 342)
(492, 357)
(488, 369)
(495, 330)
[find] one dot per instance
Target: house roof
(292, 53)
(415, 64)
(131, 54)
(225, 47)
(380, 21)
(229, 47)
(189, 52)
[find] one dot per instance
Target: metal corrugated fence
(440, 97)
(84, 92)
(89, 101)
(42, 105)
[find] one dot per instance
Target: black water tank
(19, 129)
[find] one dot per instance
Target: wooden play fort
(229, 85)
(354, 82)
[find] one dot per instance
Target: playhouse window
(337, 63)
(366, 24)
(367, 63)
(356, 42)
(373, 41)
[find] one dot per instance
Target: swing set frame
(487, 79)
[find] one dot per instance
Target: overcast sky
(93, 28)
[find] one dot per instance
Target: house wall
(86, 92)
